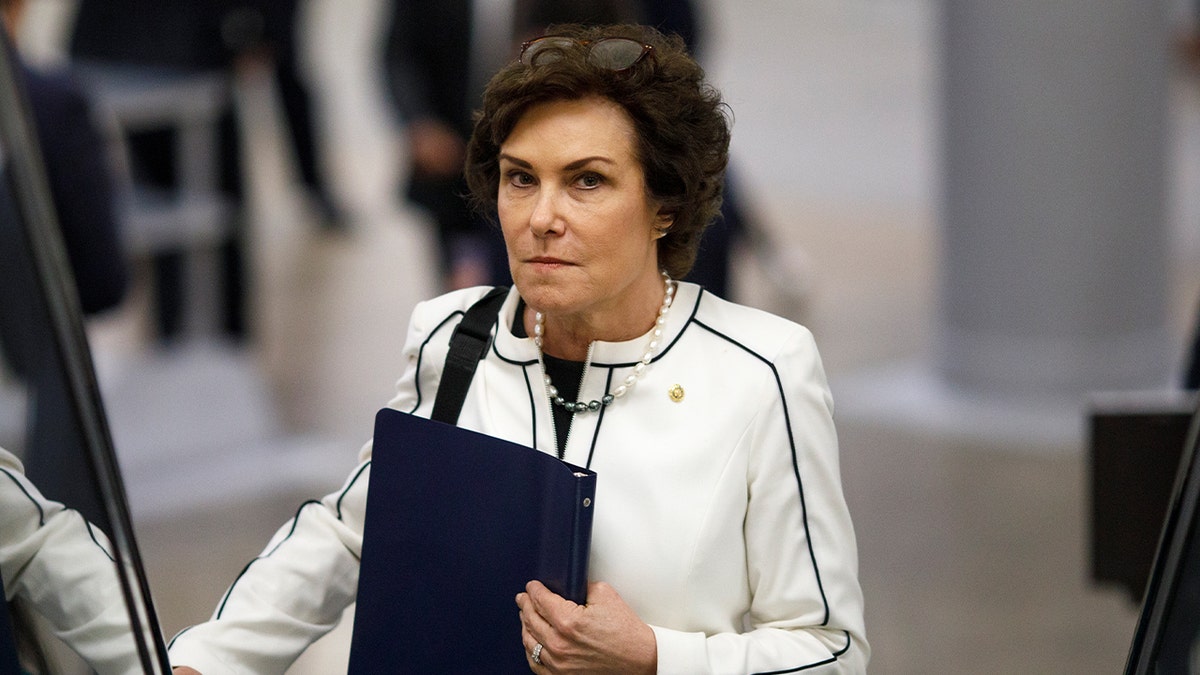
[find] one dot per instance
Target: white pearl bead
(620, 391)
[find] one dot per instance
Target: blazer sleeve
(296, 590)
(806, 608)
(290, 595)
(63, 567)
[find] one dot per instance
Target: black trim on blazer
(532, 408)
(354, 480)
(421, 353)
(295, 521)
(92, 533)
(832, 659)
(796, 471)
(508, 359)
(221, 609)
(599, 420)
(41, 513)
(172, 642)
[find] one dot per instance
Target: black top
(566, 376)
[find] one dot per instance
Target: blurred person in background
(190, 36)
(80, 181)
(434, 53)
(82, 194)
(53, 561)
(179, 36)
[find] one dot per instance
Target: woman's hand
(184, 670)
(603, 636)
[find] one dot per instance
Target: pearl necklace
(539, 322)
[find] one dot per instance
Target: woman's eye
(589, 180)
(520, 178)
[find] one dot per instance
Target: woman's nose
(546, 218)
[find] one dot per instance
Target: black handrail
(27, 181)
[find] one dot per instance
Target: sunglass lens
(545, 50)
(616, 53)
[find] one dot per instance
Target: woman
(724, 544)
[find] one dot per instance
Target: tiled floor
(973, 546)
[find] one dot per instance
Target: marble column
(1054, 260)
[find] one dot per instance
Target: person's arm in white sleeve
(52, 558)
(290, 595)
(807, 608)
(296, 591)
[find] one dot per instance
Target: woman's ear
(663, 223)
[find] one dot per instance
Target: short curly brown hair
(680, 121)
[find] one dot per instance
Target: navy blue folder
(457, 523)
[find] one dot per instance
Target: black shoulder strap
(468, 344)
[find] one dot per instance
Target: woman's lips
(548, 261)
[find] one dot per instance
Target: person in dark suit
(428, 63)
(206, 36)
(81, 186)
(184, 36)
(81, 192)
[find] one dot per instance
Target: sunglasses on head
(617, 54)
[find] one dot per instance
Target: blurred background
(899, 164)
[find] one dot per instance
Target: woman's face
(580, 228)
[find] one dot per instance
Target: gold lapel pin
(676, 393)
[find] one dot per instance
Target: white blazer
(719, 514)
